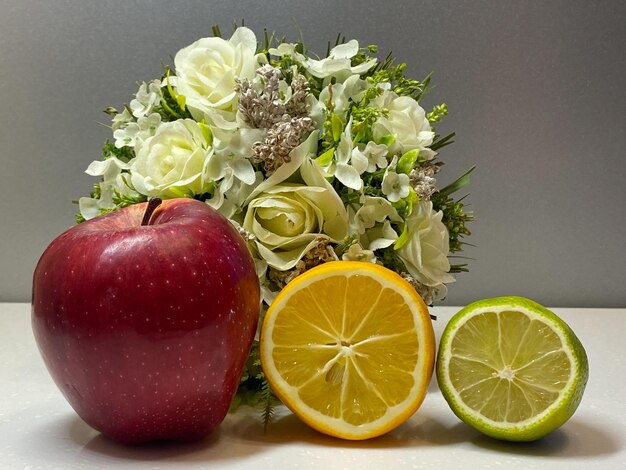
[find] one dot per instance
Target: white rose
(289, 219)
(406, 121)
(426, 253)
(206, 71)
(172, 163)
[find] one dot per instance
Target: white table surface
(39, 430)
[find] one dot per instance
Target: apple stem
(152, 205)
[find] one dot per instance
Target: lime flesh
(511, 368)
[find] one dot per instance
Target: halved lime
(511, 368)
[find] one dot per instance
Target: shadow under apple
(211, 448)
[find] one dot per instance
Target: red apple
(146, 328)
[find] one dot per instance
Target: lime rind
(550, 418)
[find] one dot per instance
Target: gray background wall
(536, 92)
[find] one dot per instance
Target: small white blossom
(233, 150)
(358, 161)
(338, 64)
(287, 49)
(345, 170)
(342, 95)
(110, 170)
(220, 165)
(148, 96)
(127, 135)
(357, 253)
(372, 211)
(137, 131)
(379, 236)
(231, 193)
(369, 158)
(395, 186)
(121, 119)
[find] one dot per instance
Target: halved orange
(349, 347)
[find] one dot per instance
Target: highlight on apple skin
(145, 328)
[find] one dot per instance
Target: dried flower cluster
(281, 139)
(286, 122)
(319, 254)
(423, 180)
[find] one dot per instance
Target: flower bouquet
(312, 159)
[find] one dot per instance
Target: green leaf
(179, 191)
(337, 126)
(206, 132)
(403, 239)
(458, 268)
(325, 158)
(440, 143)
(411, 200)
(235, 403)
(125, 154)
(460, 182)
(182, 101)
(399, 206)
(387, 140)
(406, 162)
(170, 90)
(360, 135)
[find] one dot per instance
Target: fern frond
(267, 402)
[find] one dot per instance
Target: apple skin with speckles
(146, 328)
